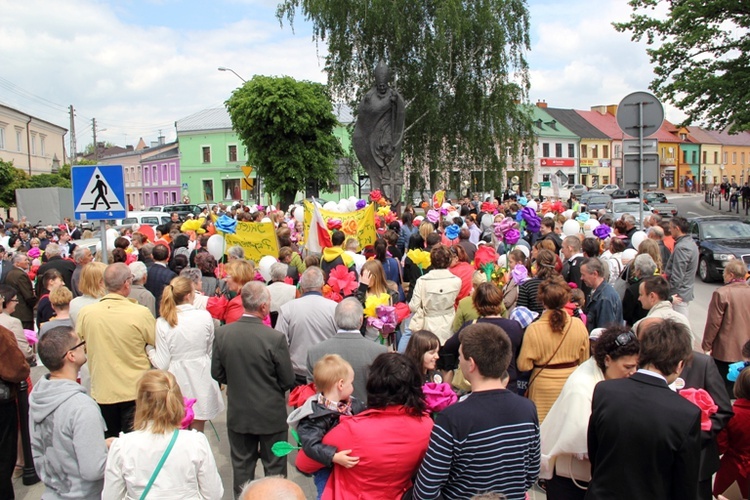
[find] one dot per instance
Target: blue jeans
(320, 479)
(404, 340)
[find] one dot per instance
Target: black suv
(720, 239)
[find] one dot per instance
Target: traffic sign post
(640, 115)
(99, 194)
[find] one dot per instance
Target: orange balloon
(148, 231)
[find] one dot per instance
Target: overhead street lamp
(222, 68)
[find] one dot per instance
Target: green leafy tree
(287, 127)
(47, 180)
(11, 178)
(701, 53)
(460, 66)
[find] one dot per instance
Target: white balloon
(571, 227)
(549, 215)
(299, 214)
(532, 205)
(628, 255)
(568, 214)
(343, 201)
(351, 205)
(264, 266)
(330, 205)
(637, 239)
(353, 198)
(112, 235)
(589, 226)
(215, 246)
(343, 206)
(502, 261)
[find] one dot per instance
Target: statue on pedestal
(379, 133)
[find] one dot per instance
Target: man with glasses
(67, 428)
(116, 331)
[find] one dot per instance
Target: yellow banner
(257, 238)
(359, 224)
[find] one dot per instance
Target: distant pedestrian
(682, 265)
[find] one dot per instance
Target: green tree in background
(287, 127)
(701, 53)
(460, 66)
(11, 178)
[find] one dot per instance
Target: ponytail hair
(173, 295)
(159, 407)
(554, 293)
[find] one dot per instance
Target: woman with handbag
(158, 457)
(553, 346)
(565, 462)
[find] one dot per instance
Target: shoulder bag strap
(545, 365)
(159, 465)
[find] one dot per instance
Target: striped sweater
(488, 442)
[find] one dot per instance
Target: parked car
(608, 189)
(720, 239)
(585, 197)
(182, 209)
(654, 197)
(578, 190)
(631, 206)
(596, 202)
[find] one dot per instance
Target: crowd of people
(459, 355)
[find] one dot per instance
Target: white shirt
(189, 473)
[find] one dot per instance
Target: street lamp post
(222, 68)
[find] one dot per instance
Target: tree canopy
(460, 65)
(12, 178)
(701, 53)
(287, 127)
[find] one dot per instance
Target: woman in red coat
(734, 441)
(238, 272)
(390, 438)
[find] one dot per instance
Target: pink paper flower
(704, 401)
(438, 396)
(342, 281)
(189, 413)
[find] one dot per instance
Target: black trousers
(563, 488)
(723, 368)
(244, 451)
(8, 447)
(118, 417)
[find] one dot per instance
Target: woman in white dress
(184, 339)
(133, 459)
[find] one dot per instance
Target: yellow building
(710, 156)
(735, 156)
(35, 146)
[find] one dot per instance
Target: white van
(150, 218)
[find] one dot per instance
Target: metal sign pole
(103, 234)
(640, 164)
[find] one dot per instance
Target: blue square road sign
(98, 192)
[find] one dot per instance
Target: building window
(705, 157)
(206, 154)
(618, 151)
(725, 157)
(147, 175)
(19, 140)
(139, 178)
(595, 151)
(684, 157)
(571, 150)
(695, 156)
(545, 149)
(174, 196)
(232, 152)
(734, 158)
(148, 199)
(33, 144)
(716, 157)
(164, 174)
(558, 150)
(2, 137)
(231, 189)
(605, 151)
(42, 145)
(173, 173)
(584, 151)
(208, 190)
(742, 158)
(166, 197)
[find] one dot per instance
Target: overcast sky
(137, 66)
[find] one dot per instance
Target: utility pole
(73, 152)
(96, 146)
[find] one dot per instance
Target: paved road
(688, 205)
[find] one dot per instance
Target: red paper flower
(342, 280)
(375, 195)
(288, 280)
(331, 295)
(488, 207)
(390, 217)
(484, 255)
(334, 224)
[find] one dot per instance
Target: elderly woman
(200, 301)
(432, 303)
(138, 291)
(726, 329)
(642, 267)
(190, 471)
(235, 252)
(238, 272)
(553, 346)
(211, 285)
(91, 286)
(390, 438)
(60, 299)
(488, 302)
(564, 449)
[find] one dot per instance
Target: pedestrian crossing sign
(98, 192)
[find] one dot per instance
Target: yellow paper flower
(420, 258)
(372, 302)
(384, 210)
(193, 225)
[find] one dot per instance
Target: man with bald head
(272, 488)
(116, 331)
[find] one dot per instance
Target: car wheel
(704, 271)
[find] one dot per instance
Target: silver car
(578, 190)
(631, 206)
(608, 189)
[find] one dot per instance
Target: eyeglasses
(83, 342)
(625, 338)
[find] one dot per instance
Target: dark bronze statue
(378, 135)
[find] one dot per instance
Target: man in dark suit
(159, 275)
(644, 440)
(349, 344)
(701, 373)
(571, 270)
(55, 261)
(19, 279)
(253, 361)
(5, 265)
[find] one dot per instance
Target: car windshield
(726, 230)
(599, 199)
(627, 207)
